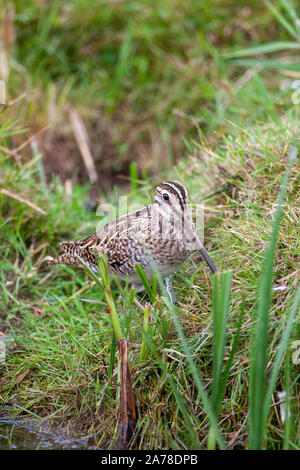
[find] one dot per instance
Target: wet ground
(25, 435)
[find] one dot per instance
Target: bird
(159, 237)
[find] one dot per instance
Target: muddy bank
(24, 434)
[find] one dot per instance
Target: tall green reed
(259, 395)
(221, 302)
(192, 365)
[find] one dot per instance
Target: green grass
(154, 85)
(146, 77)
(61, 368)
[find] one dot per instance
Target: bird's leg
(170, 289)
(138, 287)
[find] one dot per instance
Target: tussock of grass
(58, 365)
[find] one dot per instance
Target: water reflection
(23, 434)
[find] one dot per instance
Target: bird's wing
(127, 226)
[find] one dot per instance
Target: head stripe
(180, 188)
(176, 189)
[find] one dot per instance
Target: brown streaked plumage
(159, 236)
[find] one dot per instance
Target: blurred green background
(145, 77)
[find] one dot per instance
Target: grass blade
(282, 19)
(196, 376)
(191, 423)
(113, 349)
(289, 8)
(225, 373)
(258, 360)
(267, 64)
(221, 298)
(279, 355)
(277, 46)
(193, 367)
(133, 171)
(150, 291)
(145, 329)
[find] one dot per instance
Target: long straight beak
(206, 255)
(202, 250)
(208, 260)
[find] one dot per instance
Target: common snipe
(158, 237)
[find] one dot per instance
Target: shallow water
(23, 434)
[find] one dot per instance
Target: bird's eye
(166, 196)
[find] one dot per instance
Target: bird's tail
(78, 253)
(69, 256)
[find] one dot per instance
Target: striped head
(171, 195)
(171, 200)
